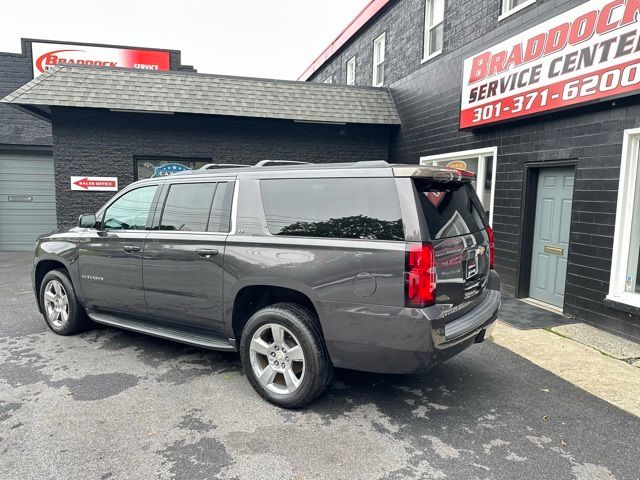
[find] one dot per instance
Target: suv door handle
(207, 252)
(131, 248)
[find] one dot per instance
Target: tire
(69, 318)
(298, 380)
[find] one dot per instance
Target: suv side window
(130, 211)
(187, 207)
(366, 208)
(220, 219)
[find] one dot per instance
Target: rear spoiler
(440, 174)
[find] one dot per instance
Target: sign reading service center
(47, 55)
(589, 53)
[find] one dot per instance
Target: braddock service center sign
(47, 55)
(589, 53)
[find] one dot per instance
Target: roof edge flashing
(133, 110)
(360, 21)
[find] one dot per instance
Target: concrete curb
(601, 375)
(605, 342)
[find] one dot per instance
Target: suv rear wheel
(60, 307)
(284, 356)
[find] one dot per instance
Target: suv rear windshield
(451, 209)
(366, 208)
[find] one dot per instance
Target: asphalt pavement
(109, 404)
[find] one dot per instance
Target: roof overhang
(41, 112)
(139, 91)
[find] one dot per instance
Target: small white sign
(96, 184)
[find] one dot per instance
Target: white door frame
(622, 255)
(481, 154)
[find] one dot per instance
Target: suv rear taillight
(420, 275)
(492, 248)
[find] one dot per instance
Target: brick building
(128, 124)
(559, 176)
(538, 97)
(27, 193)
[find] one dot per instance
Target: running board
(190, 338)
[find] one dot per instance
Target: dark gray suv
(300, 268)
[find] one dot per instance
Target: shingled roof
(179, 92)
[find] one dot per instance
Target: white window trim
(329, 79)
(427, 30)
(381, 39)
(507, 13)
(482, 154)
(433, 55)
(624, 216)
(353, 80)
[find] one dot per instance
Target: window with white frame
(513, 6)
(329, 79)
(624, 285)
(378, 60)
(433, 28)
(482, 162)
(351, 71)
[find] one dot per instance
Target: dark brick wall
(467, 26)
(18, 128)
(402, 22)
(102, 143)
(427, 97)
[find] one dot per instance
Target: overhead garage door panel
(27, 199)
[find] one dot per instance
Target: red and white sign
(47, 55)
(589, 53)
(97, 184)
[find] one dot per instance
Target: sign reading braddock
(588, 53)
(47, 55)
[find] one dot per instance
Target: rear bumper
(403, 340)
(474, 327)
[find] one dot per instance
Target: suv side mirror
(87, 221)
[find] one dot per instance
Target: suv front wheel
(59, 304)
(284, 356)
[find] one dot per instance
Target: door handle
(131, 248)
(207, 252)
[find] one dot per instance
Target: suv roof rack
(264, 163)
(209, 167)
(212, 166)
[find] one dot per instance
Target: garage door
(27, 200)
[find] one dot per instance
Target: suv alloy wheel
(284, 355)
(62, 311)
(277, 359)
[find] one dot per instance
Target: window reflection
(187, 207)
(366, 208)
(131, 211)
(451, 210)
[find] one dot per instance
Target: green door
(551, 235)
